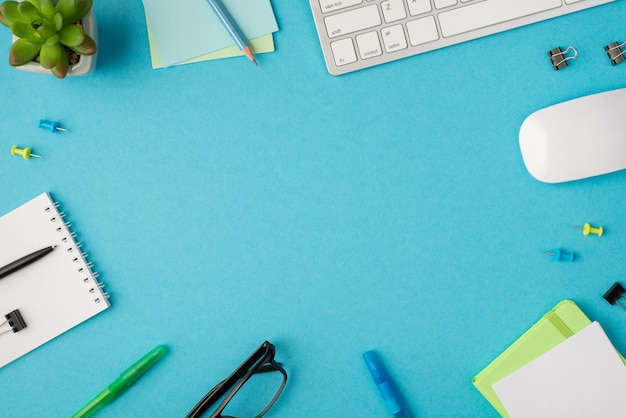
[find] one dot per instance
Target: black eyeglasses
(261, 361)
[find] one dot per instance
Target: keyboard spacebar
(490, 12)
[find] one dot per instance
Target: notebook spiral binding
(84, 268)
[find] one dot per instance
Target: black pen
(24, 261)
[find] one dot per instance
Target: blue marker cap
(390, 394)
(51, 125)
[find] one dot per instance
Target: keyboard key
(442, 4)
(352, 21)
(369, 45)
(393, 10)
(393, 38)
(422, 30)
(331, 5)
(343, 52)
(417, 7)
(487, 13)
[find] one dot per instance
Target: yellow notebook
(558, 324)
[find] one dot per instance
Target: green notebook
(558, 324)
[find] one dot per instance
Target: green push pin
(25, 152)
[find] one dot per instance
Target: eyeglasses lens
(255, 397)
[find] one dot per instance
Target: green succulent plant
(44, 29)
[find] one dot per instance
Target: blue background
(386, 209)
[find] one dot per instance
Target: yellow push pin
(588, 229)
(25, 153)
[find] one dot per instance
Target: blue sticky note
(187, 29)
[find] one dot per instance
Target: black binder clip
(615, 53)
(558, 58)
(614, 293)
(15, 321)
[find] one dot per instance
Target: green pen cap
(126, 379)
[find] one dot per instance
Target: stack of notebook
(564, 365)
(188, 31)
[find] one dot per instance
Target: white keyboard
(357, 34)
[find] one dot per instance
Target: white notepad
(581, 377)
(53, 294)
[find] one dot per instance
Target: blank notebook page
(581, 377)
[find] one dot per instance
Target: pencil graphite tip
(248, 53)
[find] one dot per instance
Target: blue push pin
(560, 255)
(51, 126)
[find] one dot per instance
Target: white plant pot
(86, 64)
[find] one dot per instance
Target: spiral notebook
(51, 295)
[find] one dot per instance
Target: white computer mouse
(576, 139)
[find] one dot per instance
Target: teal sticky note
(187, 29)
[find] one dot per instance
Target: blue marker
(390, 394)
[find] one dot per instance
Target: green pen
(126, 379)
